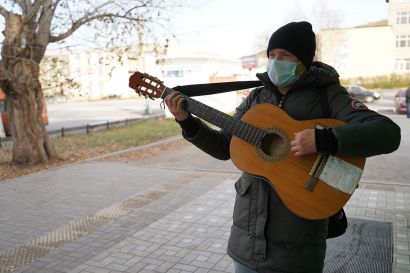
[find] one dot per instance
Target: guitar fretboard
(224, 121)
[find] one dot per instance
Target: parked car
(400, 101)
(362, 94)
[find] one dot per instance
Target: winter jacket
(266, 236)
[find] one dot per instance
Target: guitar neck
(222, 120)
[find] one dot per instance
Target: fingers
(303, 143)
(174, 100)
(175, 103)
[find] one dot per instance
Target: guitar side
(286, 172)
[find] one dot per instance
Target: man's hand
(304, 143)
(175, 102)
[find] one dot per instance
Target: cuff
(326, 142)
(189, 126)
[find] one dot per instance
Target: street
(391, 169)
(72, 114)
(380, 171)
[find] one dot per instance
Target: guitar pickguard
(341, 175)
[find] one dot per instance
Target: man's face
(282, 55)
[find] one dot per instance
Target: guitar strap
(214, 88)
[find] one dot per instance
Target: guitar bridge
(316, 171)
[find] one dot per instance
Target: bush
(380, 82)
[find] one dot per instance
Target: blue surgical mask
(282, 73)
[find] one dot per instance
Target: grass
(391, 81)
(122, 137)
(75, 148)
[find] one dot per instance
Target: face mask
(282, 73)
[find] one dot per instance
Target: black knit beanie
(297, 38)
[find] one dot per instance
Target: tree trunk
(21, 56)
(24, 103)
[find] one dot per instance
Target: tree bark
(31, 144)
(24, 95)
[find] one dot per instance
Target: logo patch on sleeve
(358, 105)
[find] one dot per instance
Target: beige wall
(379, 48)
(355, 52)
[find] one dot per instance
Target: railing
(85, 129)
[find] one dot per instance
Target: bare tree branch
(44, 22)
(138, 6)
(33, 10)
(4, 12)
(84, 20)
(24, 5)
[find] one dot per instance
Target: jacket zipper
(282, 101)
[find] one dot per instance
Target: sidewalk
(166, 210)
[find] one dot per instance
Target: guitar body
(286, 172)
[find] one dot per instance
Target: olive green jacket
(265, 235)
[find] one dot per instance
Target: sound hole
(274, 146)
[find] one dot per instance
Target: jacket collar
(319, 74)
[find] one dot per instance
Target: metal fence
(86, 129)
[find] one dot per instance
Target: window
(402, 65)
(403, 17)
(175, 73)
(403, 41)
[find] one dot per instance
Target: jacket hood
(320, 74)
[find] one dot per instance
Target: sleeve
(366, 132)
(214, 142)
(326, 141)
(189, 126)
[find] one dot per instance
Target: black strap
(214, 88)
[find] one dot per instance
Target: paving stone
(184, 230)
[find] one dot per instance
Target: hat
(297, 38)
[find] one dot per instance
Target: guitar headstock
(146, 85)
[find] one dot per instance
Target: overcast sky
(236, 27)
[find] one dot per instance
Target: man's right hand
(175, 103)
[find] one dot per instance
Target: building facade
(94, 73)
(375, 49)
(399, 20)
(101, 73)
(202, 68)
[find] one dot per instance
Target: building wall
(399, 19)
(353, 52)
(201, 69)
(370, 50)
(100, 73)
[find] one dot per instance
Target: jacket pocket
(241, 212)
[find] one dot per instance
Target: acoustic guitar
(313, 186)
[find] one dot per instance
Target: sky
(235, 28)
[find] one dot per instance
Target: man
(408, 101)
(266, 236)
